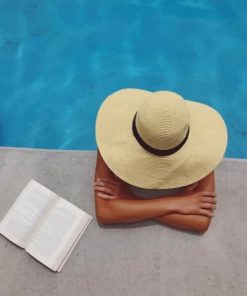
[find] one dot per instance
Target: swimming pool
(60, 59)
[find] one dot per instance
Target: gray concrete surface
(144, 258)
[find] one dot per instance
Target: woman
(159, 143)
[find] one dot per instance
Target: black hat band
(154, 150)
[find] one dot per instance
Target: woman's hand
(112, 189)
(197, 203)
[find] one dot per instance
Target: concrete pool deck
(144, 258)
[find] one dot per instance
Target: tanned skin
(191, 210)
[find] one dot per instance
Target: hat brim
(200, 155)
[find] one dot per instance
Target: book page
(24, 215)
(74, 243)
(56, 234)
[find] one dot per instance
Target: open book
(44, 224)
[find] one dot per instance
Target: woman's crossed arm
(115, 203)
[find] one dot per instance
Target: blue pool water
(60, 59)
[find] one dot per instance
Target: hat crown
(163, 120)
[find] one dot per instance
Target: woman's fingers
(208, 206)
(209, 199)
(205, 212)
(104, 189)
(105, 184)
(106, 196)
(107, 188)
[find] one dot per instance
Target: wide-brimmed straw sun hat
(158, 140)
